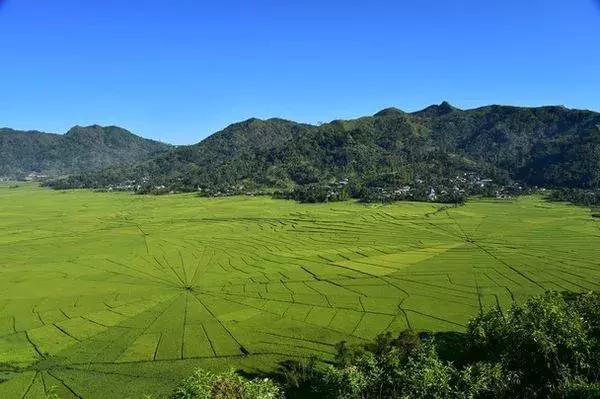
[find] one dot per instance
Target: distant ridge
(80, 149)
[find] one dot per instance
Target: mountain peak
(97, 130)
(445, 105)
(436, 110)
(391, 111)
(78, 129)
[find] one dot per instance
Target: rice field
(113, 295)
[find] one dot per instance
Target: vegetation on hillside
(548, 347)
(35, 154)
(493, 150)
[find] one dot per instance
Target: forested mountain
(392, 151)
(80, 149)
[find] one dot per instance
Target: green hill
(80, 149)
(439, 147)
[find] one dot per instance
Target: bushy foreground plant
(410, 373)
(549, 343)
(207, 385)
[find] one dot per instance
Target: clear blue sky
(179, 70)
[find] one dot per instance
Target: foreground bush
(206, 385)
(547, 342)
(416, 374)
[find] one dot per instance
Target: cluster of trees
(548, 347)
(590, 198)
(315, 193)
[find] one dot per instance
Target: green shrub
(579, 389)
(299, 378)
(545, 341)
(207, 385)
(415, 374)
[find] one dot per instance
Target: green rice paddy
(113, 295)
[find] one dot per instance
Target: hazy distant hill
(549, 146)
(80, 149)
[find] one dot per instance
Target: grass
(116, 295)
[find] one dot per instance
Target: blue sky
(180, 70)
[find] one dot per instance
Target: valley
(119, 295)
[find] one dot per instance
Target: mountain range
(440, 146)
